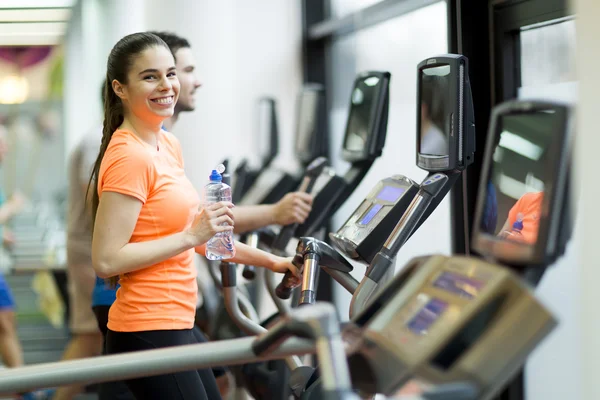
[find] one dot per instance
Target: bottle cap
(215, 176)
(518, 225)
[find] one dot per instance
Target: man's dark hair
(173, 41)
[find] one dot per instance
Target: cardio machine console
(363, 234)
(443, 319)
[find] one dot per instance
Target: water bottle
(516, 232)
(220, 246)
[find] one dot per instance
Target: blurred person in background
(86, 338)
(10, 346)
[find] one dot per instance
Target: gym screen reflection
(515, 190)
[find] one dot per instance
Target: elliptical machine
(365, 138)
(449, 321)
(397, 205)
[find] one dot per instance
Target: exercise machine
(397, 205)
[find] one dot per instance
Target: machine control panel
(446, 318)
(370, 224)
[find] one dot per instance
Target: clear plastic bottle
(220, 246)
(515, 233)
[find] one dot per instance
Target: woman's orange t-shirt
(161, 296)
(530, 205)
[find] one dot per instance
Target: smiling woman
(148, 219)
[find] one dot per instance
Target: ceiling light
(13, 89)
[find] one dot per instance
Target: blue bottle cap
(215, 176)
(518, 225)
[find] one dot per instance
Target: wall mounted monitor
(308, 112)
(522, 215)
(268, 131)
(445, 117)
(366, 127)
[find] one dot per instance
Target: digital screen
(266, 121)
(426, 316)
(390, 193)
(515, 188)
(435, 111)
(364, 96)
(370, 214)
(308, 103)
(459, 284)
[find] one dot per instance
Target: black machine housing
(339, 188)
(456, 113)
(444, 170)
(268, 135)
(360, 236)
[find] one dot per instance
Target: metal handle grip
(310, 273)
(249, 272)
(285, 287)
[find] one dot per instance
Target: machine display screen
(435, 111)
(515, 187)
(364, 96)
(390, 193)
(307, 120)
(370, 214)
(459, 284)
(426, 316)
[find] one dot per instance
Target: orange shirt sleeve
(127, 169)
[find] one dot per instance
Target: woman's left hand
(282, 265)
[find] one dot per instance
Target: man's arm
(293, 208)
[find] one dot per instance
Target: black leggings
(185, 385)
(198, 384)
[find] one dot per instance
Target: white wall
(95, 26)
(243, 50)
(588, 269)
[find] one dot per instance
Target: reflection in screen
(515, 190)
(307, 120)
(435, 111)
(363, 97)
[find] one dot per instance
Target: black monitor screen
(266, 124)
(308, 103)
(364, 95)
(435, 110)
(515, 187)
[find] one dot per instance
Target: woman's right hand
(210, 220)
